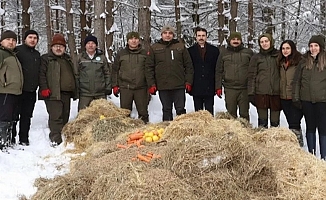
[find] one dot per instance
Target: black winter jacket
(204, 70)
(30, 59)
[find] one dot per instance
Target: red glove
(152, 90)
(188, 88)
(116, 91)
(219, 93)
(45, 93)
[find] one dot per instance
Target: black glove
(251, 99)
(297, 104)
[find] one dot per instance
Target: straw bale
(66, 187)
(299, 174)
(226, 115)
(194, 123)
(86, 116)
(133, 181)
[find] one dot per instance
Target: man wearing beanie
(309, 89)
(204, 57)
(57, 80)
(129, 77)
(170, 72)
(11, 83)
(231, 73)
(30, 60)
(94, 77)
(264, 82)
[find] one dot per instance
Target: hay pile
(101, 121)
(202, 158)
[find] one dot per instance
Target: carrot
(131, 142)
(121, 146)
(143, 158)
(141, 146)
(136, 136)
(149, 155)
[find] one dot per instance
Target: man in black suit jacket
(204, 57)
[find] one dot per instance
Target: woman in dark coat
(310, 92)
(288, 60)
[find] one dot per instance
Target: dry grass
(202, 158)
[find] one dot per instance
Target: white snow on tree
(153, 7)
(30, 10)
(103, 16)
(113, 28)
(71, 11)
(58, 8)
(2, 11)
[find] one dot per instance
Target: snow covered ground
(20, 168)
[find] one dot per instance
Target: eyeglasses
(58, 46)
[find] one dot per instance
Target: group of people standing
(272, 80)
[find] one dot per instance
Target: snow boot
(263, 123)
(298, 133)
(5, 134)
(322, 145)
(311, 142)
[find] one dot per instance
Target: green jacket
(310, 84)
(232, 68)
(286, 78)
(169, 65)
(128, 69)
(11, 75)
(50, 75)
(94, 75)
(264, 74)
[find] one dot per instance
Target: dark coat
(232, 67)
(11, 75)
(310, 84)
(169, 66)
(94, 76)
(50, 75)
(204, 70)
(128, 69)
(264, 74)
(30, 60)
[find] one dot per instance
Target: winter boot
(322, 145)
(311, 142)
(5, 134)
(298, 133)
(263, 123)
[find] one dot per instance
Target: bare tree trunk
(19, 35)
(56, 19)
(297, 22)
(109, 23)
(268, 14)
(26, 21)
(144, 19)
(48, 23)
(83, 25)
(177, 18)
(323, 17)
(220, 9)
(99, 23)
(70, 32)
(250, 23)
(234, 14)
(3, 6)
(122, 31)
(283, 20)
(195, 15)
(89, 17)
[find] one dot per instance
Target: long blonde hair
(321, 60)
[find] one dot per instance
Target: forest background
(111, 20)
